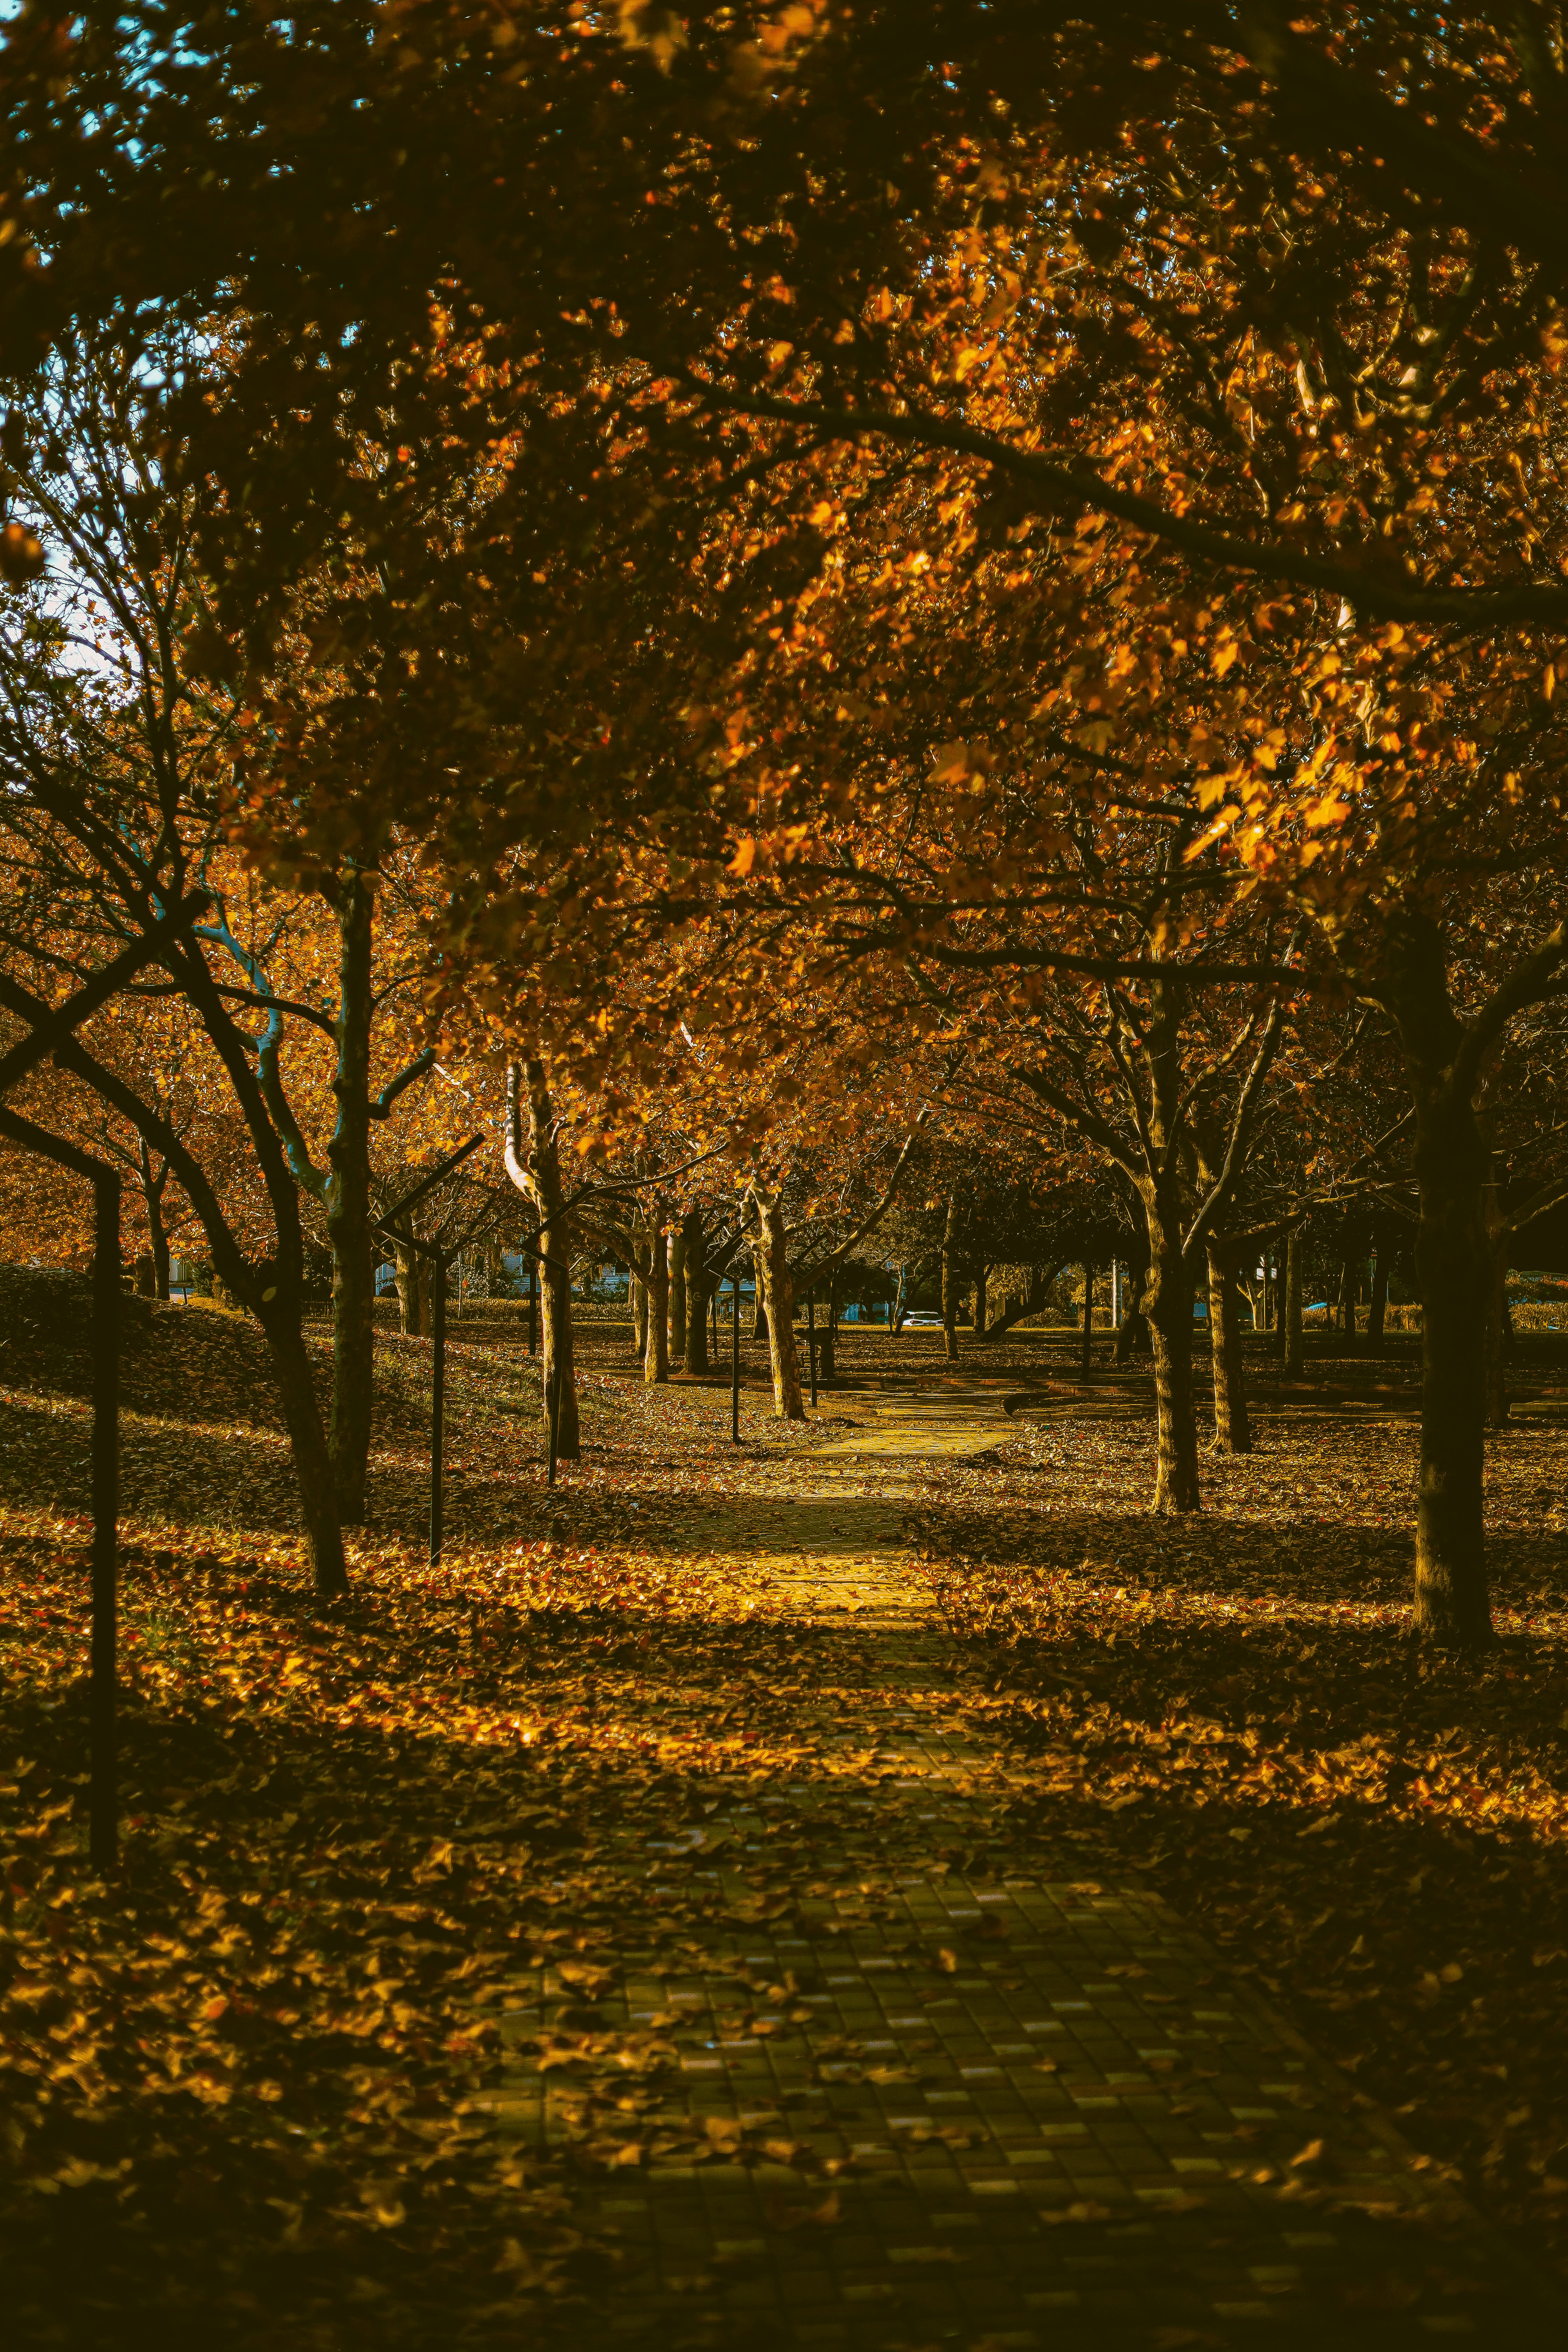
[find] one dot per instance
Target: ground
(873, 1886)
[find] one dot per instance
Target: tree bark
(153, 1194)
(410, 1291)
(308, 1444)
(1036, 1295)
(696, 1293)
(1128, 1336)
(982, 1302)
(1290, 1322)
(826, 1341)
(1453, 1268)
(759, 1310)
(1496, 1373)
(555, 1285)
(899, 1308)
(539, 1178)
(1454, 1265)
(639, 1315)
(1168, 1307)
(678, 1300)
(949, 1277)
(1087, 1356)
(1378, 1312)
(774, 1281)
(348, 1205)
(1346, 1315)
(1231, 1426)
(655, 1355)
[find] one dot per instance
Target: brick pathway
(1029, 2109)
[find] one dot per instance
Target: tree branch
(1076, 486)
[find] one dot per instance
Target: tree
(532, 1157)
(108, 749)
(327, 1108)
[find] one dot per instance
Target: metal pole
(735, 1362)
(811, 1345)
(437, 1394)
(552, 1408)
(102, 1823)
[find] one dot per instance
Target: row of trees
(955, 564)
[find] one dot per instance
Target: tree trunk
(1036, 1294)
(268, 1288)
(556, 1251)
(655, 1355)
(1454, 1262)
(348, 1207)
(1232, 1428)
(152, 1193)
(1087, 1356)
(307, 1444)
(678, 1300)
(1453, 1267)
(1168, 1306)
(639, 1315)
(1346, 1315)
(410, 1290)
(1290, 1322)
(1497, 1339)
(696, 1293)
(771, 1253)
(949, 1274)
(759, 1309)
(1377, 1312)
(826, 1365)
(900, 1306)
(1128, 1334)
(982, 1303)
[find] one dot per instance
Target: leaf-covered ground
(250, 2087)
(1379, 1834)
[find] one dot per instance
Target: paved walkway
(920, 2103)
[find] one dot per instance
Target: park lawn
(247, 2085)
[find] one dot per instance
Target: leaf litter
(378, 1859)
